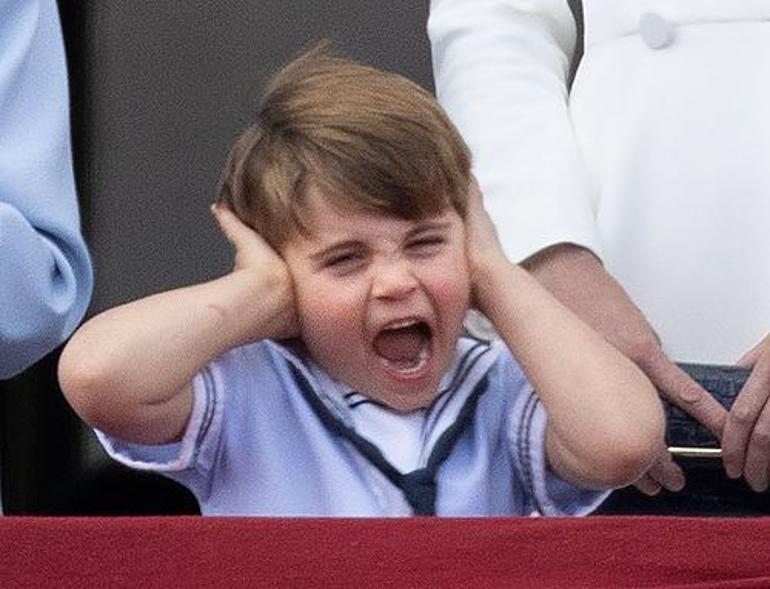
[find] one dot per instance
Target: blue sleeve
(45, 270)
(548, 493)
(193, 460)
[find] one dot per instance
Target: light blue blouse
(45, 270)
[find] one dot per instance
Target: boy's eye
(426, 244)
(341, 261)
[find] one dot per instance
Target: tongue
(399, 345)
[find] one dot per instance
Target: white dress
(658, 159)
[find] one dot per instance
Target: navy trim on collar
(418, 486)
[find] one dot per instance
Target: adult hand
(746, 439)
(577, 278)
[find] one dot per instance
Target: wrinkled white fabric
(658, 159)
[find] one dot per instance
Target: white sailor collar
(472, 361)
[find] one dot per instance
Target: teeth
(401, 323)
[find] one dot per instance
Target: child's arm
(129, 370)
(605, 424)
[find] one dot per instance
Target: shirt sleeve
(45, 270)
(194, 456)
(501, 69)
(549, 494)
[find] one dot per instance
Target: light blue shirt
(45, 270)
(255, 445)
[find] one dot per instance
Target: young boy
(326, 375)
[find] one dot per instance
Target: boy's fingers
(234, 230)
(251, 249)
(668, 473)
(648, 485)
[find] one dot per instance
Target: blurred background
(158, 91)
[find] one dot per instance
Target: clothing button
(655, 30)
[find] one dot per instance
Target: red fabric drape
(419, 552)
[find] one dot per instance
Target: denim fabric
(708, 491)
(724, 382)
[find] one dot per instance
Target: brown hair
(364, 137)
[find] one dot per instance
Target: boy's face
(381, 300)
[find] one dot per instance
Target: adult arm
(45, 271)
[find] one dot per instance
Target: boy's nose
(394, 280)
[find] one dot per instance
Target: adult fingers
(750, 358)
(251, 249)
(664, 474)
(756, 468)
(234, 230)
(675, 385)
(746, 440)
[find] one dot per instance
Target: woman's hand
(746, 437)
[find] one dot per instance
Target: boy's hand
(482, 244)
(261, 267)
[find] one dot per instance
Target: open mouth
(405, 346)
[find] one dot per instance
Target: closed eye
(427, 244)
(343, 261)
(427, 240)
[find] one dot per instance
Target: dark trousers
(708, 492)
